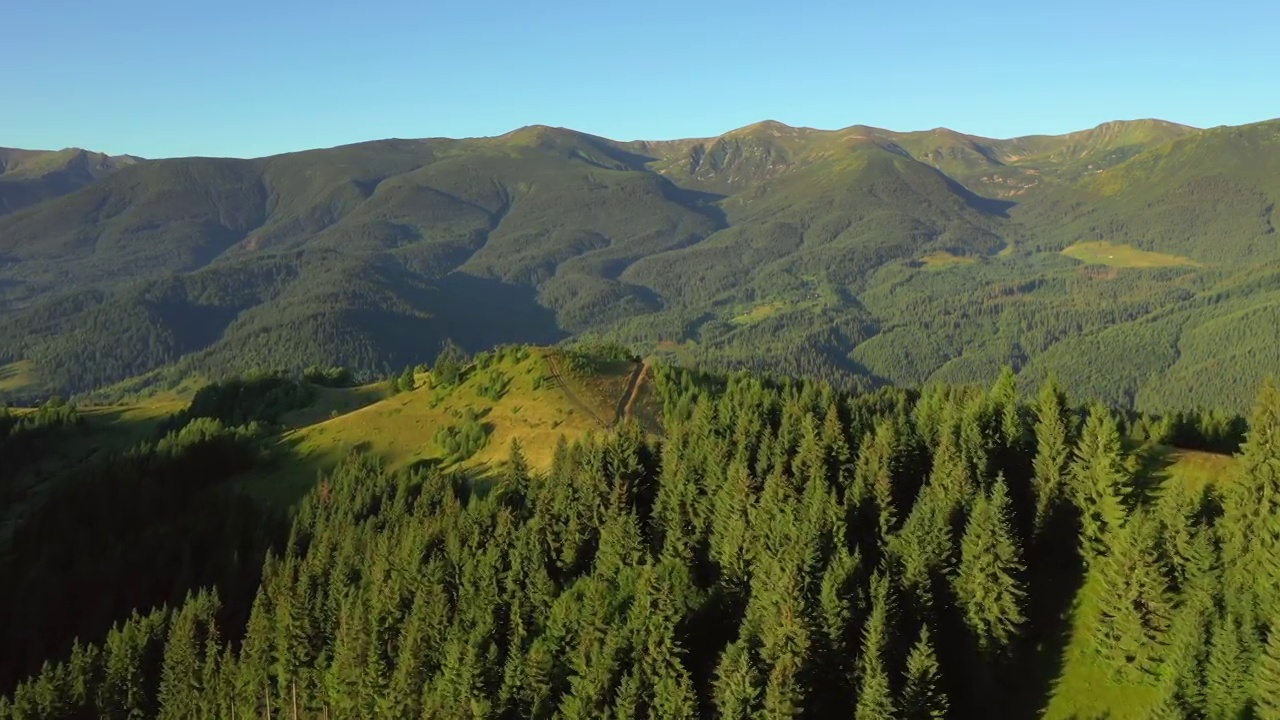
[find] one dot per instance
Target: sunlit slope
(536, 409)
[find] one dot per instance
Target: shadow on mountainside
(479, 313)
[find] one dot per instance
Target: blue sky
(164, 78)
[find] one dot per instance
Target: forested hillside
(1134, 260)
(771, 548)
(28, 177)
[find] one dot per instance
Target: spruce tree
(989, 584)
(1226, 673)
(1053, 451)
(1134, 601)
(875, 697)
(875, 470)
(1101, 486)
(737, 691)
(1251, 520)
(923, 697)
(181, 675)
(1266, 677)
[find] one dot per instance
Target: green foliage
(989, 583)
(1053, 443)
(1136, 608)
(464, 438)
(782, 549)
(770, 248)
(133, 531)
(492, 384)
(923, 697)
(449, 368)
(588, 358)
(1251, 523)
(1101, 486)
(1266, 678)
(402, 381)
(334, 377)
(260, 397)
(875, 697)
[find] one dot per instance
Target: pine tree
(1251, 520)
(1135, 608)
(1012, 456)
(737, 684)
(923, 697)
(1266, 677)
(989, 584)
(181, 674)
(834, 595)
(924, 547)
(875, 697)
(1101, 487)
(876, 466)
(1226, 673)
(1053, 451)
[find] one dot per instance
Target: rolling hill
(777, 248)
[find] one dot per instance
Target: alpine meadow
(784, 423)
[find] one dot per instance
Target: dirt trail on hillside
(627, 403)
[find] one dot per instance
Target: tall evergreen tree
(923, 697)
(1135, 607)
(1053, 451)
(1101, 486)
(1226, 673)
(1266, 677)
(1251, 521)
(875, 696)
(738, 688)
(989, 583)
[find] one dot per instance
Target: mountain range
(1135, 260)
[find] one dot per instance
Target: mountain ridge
(788, 249)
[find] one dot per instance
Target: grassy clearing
(942, 260)
(401, 430)
(757, 313)
(1191, 469)
(18, 377)
(763, 311)
(1124, 256)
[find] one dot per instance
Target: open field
(1124, 256)
(18, 377)
(942, 260)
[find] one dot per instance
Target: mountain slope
(859, 255)
(28, 177)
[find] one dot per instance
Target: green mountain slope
(28, 177)
(860, 255)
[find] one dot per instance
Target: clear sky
(163, 78)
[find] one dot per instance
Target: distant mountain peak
(770, 127)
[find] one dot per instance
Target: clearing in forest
(18, 377)
(533, 407)
(942, 260)
(1124, 256)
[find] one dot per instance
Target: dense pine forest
(768, 548)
